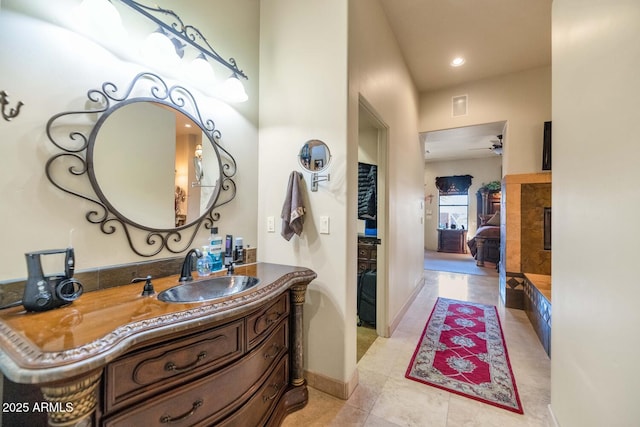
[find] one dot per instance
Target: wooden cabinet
(488, 203)
(130, 360)
(206, 377)
(454, 241)
(149, 371)
(367, 253)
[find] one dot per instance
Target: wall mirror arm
(316, 178)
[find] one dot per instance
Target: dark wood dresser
(367, 253)
(453, 241)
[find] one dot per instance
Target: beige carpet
(456, 263)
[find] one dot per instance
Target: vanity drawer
(140, 374)
(260, 323)
(208, 399)
(257, 410)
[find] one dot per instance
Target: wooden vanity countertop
(101, 325)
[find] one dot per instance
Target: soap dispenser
(204, 263)
(215, 250)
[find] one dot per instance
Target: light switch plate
(271, 224)
(324, 225)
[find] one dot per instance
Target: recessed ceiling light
(457, 61)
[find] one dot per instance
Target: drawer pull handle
(276, 389)
(167, 419)
(276, 349)
(170, 366)
(272, 317)
(268, 319)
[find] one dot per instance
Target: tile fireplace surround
(525, 262)
(524, 198)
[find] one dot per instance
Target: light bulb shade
(200, 71)
(233, 91)
(198, 168)
(98, 18)
(159, 51)
(198, 151)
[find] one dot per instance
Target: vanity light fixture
(12, 112)
(182, 36)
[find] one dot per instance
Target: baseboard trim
(396, 321)
(554, 421)
(332, 386)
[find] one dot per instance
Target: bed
(485, 245)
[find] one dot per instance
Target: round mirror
(154, 165)
(314, 155)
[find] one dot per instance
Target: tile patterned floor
(384, 397)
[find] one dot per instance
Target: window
(453, 211)
(453, 200)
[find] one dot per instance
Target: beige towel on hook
(293, 209)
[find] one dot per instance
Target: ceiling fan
(496, 146)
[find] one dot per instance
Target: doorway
(372, 150)
(474, 150)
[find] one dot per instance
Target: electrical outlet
(271, 224)
(324, 225)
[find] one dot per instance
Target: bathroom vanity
(116, 358)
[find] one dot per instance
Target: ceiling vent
(459, 105)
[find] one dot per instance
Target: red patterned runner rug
(462, 351)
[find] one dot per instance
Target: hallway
(384, 397)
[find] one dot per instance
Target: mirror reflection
(314, 155)
(155, 165)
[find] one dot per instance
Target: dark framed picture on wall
(547, 229)
(546, 147)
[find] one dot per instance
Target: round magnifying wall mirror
(314, 156)
(154, 165)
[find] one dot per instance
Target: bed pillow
(494, 220)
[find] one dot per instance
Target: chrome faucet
(230, 268)
(187, 266)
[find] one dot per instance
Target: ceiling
(470, 142)
(495, 37)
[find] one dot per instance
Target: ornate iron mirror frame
(77, 148)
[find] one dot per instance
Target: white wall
(50, 69)
(378, 74)
(303, 96)
(522, 99)
(595, 340)
(483, 171)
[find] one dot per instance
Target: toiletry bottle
(215, 250)
(239, 256)
(204, 263)
(228, 250)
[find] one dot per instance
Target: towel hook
(315, 156)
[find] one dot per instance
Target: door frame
(382, 276)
